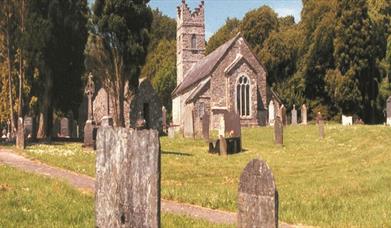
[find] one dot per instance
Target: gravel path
(88, 183)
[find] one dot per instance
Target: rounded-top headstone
(258, 199)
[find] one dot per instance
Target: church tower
(190, 38)
(190, 49)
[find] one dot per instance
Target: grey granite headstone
(258, 197)
(127, 178)
(64, 127)
(278, 131)
(294, 115)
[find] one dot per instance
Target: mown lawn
(29, 200)
(343, 180)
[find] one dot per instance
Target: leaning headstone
(258, 196)
(294, 116)
(20, 140)
(64, 128)
(232, 124)
(389, 111)
(347, 120)
(223, 146)
(127, 178)
(304, 114)
(271, 113)
(278, 131)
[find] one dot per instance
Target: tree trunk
(46, 110)
(121, 119)
(21, 63)
(11, 101)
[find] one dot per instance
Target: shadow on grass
(176, 153)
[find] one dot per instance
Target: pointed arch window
(243, 96)
(193, 41)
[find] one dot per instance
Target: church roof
(204, 67)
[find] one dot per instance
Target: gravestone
(321, 128)
(221, 126)
(278, 131)
(64, 127)
(164, 119)
(127, 178)
(271, 113)
(205, 126)
(29, 126)
(294, 116)
(304, 114)
(223, 146)
(347, 120)
(20, 140)
(258, 196)
(232, 124)
(389, 111)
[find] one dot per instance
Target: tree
(162, 28)
(356, 53)
(257, 25)
(160, 68)
(123, 32)
(56, 36)
(225, 33)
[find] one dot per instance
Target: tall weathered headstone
(271, 113)
(127, 178)
(89, 127)
(304, 114)
(389, 111)
(20, 140)
(294, 115)
(65, 127)
(258, 197)
(278, 131)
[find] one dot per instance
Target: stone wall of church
(223, 88)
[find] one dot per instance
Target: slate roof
(204, 67)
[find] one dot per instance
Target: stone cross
(258, 196)
(127, 178)
(278, 131)
(271, 113)
(90, 91)
(294, 115)
(304, 114)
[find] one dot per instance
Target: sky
(217, 11)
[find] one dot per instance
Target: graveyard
(321, 182)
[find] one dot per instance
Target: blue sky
(218, 10)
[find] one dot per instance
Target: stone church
(231, 78)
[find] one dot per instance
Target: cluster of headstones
(128, 175)
(281, 113)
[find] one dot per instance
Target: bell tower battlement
(190, 37)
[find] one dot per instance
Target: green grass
(71, 156)
(29, 200)
(343, 180)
